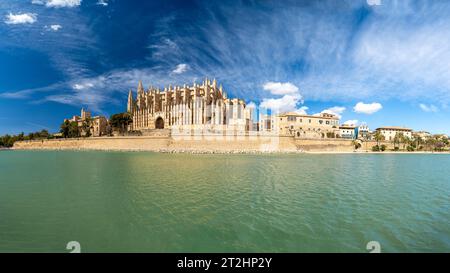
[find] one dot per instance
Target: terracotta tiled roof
(394, 128)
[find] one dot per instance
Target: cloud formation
(302, 110)
(336, 110)
(20, 18)
(374, 2)
(289, 101)
(102, 3)
(351, 122)
(181, 68)
(361, 53)
(367, 108)
(428, 108)
(81, 86)
(57, 3)
(279, 88)
(55, 27)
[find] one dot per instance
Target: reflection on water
(117, 201)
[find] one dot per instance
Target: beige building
(423, 135)
(97, 125)
(347, 131)
(79, 119)
(301, 126)
(198, 107)
(390, 132)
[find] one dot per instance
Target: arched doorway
(159, 123)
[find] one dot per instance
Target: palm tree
(65, 128)
(396, 140)
(418, 141)
(404, 139)
(378, 137)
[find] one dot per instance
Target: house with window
(305, 126)
(363, 132)
(389, 132)
(348, 131)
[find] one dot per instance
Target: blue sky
(375, 61)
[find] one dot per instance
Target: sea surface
(151, 202)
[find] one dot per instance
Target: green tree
(86, 127)
(417, 141)
(396, 141)
(120, 121)
(9, 140)
(69, 129)
(31, 136)
(65, 128)
(73, 129)
(43, 134)
(404, 140)
(430, 143)
(378, 136)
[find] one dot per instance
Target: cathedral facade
(203, 107)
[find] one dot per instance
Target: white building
(347, 131)
(363, 131)
(390, 132)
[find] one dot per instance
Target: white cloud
(279, 88)
(428, 108)
(367, 108)
(302, 110)
(102, 2)
(374, 2)
(336, 110)
(386, 56)
(289, 100)
(55, 27)
(58, 3)
(287, 103)
(352, 122)
(181, 68)
(251, 105)
(81, 86)
(20, 18)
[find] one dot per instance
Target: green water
(149, 202)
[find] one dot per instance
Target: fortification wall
(97, 143)
(325, 145)
(200, 144)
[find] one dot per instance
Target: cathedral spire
(140, 88)
(130, 103)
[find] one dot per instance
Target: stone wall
(325, 145)
(97, 143)
(200, 144)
